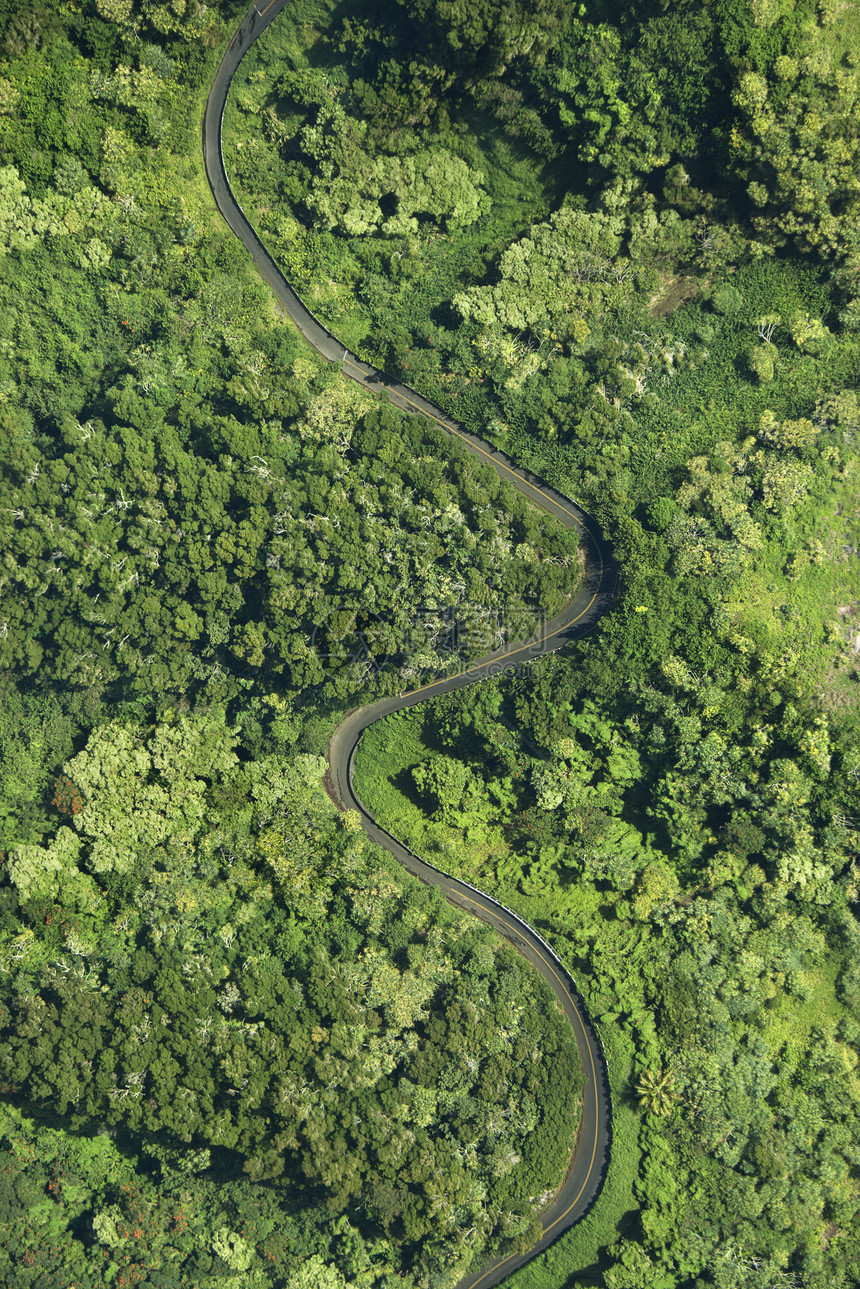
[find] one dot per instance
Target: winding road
(595, 595)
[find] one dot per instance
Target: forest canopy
(208, 954)
(239, 1046)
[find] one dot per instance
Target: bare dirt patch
(840, 692)
(673, 292)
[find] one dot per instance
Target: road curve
(595, 595)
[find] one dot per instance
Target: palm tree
(655, 1091)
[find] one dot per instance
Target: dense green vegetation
(622, 242)
(530, 285)
(198, 517)
(703, 868)
(208, 953)
(189, 501)
(669, 334)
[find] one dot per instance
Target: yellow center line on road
(552, 505)
(500, 465)
(410, 693)
(505, 922)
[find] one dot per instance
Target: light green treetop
(143, 790)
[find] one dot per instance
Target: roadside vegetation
(211, 965)
(621, 242)
(194, 511)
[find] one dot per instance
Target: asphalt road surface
(595, 595)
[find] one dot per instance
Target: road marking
(552, 506)
(410, 693)
(569, 996)
(476, 447)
